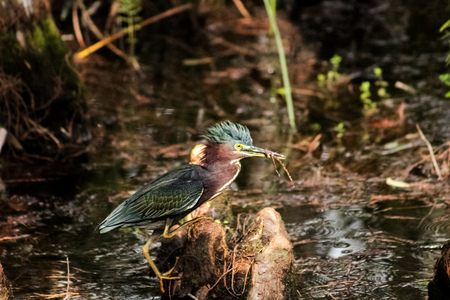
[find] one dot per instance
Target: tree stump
(254, 269)
(439, 286)
(274, 261)
(5, 286)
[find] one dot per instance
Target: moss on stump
(42, 104)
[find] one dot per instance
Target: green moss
(37, 56)
(37, 40)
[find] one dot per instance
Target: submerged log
(439, 286)
(254, 269)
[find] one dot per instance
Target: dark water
(346, 243)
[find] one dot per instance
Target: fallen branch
(430, 149)
(14, 237)
(91, 49)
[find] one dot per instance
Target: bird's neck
(222, 170)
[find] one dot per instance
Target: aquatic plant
(130, 10)
(270, 6)
(380, 83)
(445, 78)
(330, 81)
(326, 80)
(366, 97)
(340, 131)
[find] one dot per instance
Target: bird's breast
(219, 177)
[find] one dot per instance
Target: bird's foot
(166, 274)
(163, 276)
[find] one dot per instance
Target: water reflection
(350, 249)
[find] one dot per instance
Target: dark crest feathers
(227, 132)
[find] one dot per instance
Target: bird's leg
(154, 268)
(166, 234)
(171, 269)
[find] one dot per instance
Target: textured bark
(439, 287)
(254, 269)
(5, 286)
(274, 261)
(203, 260)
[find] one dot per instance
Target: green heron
(172, 196)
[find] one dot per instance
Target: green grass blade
(283, 64)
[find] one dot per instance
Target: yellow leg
(154, 268)
(170, 271)
(166, 234)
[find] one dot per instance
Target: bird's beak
(250, 151)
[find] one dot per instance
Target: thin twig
(68, 280)
(429, 213)
(270, 154)
(76, 24)
(100, 36)
(232, 273)
(242, 9)
(192, 296)
(220, 278)
(328, 293)
(14, 237)
(430, 149)
(275, 166)
(246, 275)
(115, 36)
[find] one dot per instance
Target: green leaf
(382, 92)
(365, 86)
(445, 78)
(378, 71)
(336, 60)
(391, 145)
(446, 24)
(315, 126)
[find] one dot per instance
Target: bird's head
(228, 141)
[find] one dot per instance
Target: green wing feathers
(166, 197)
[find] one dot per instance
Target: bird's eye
(238, 146)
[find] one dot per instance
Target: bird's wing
(167, 196)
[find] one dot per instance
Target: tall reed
(270, 6)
